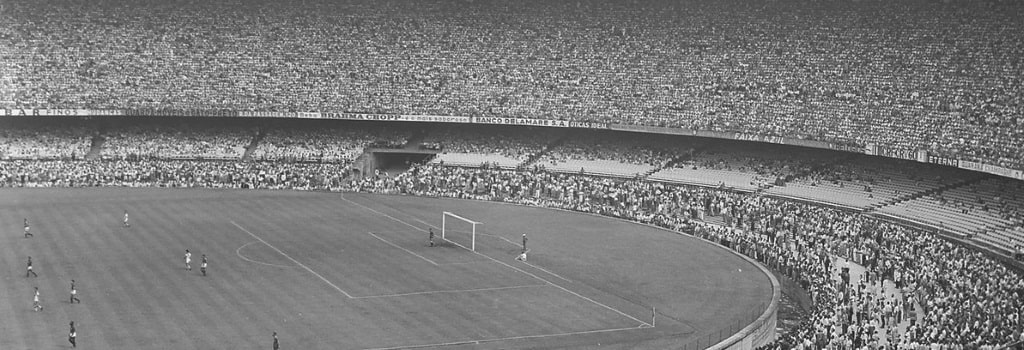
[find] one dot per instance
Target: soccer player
(202, 266)
(126, 224)
(74, 293)
(524, 243)
(188, 260)
(521, 257)
(72, 335)
(277, 344)
(431, 230)
(29, 268)
(36, 305)
(28, 233)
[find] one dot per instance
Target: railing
(750, 330)
(749, 320)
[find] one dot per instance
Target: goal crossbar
(472, 232)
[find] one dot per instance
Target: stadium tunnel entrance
(394, 162)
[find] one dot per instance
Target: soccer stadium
(481, 174)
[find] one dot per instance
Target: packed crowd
(968, 300)
(322, 143)
(32, 141)
(172, 140)
(175, 174)
(904, 74)
(310, 145)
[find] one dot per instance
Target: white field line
(504, 239)
(399, 247)
(642, 323)
(449, 291)
(239, 253)
(481, 341)
(462, 262)
(529, 264)
(293, 260)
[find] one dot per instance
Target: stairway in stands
(928, 192)
(256, 139)
(697, 148)
(98, 139)
(558, 141)
(96, 148)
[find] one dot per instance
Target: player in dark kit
(431, 231)
(524, 243)
(74, 293)
(202, 265)
(28, 233)
(277, 344)
(29, 268)
(72, 335)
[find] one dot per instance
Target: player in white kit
(36, 305)
(74, 293)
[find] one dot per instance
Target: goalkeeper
(430, 230)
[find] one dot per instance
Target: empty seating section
(747, 166)
(477, 159)
(707, 177)
(929, 211)
(506, 147)
(612, 154)
(602, 167)
(990, 209)
(866, 181)
(829, 192)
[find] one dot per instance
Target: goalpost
(459, 230)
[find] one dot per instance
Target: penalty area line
(400, 247)
(292, 259)
(527, 263)
(642, 323)
(449, 291)
(239, 253)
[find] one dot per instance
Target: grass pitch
(354, 271)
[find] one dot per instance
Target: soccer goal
(459, 230)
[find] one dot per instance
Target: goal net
(459, 230)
